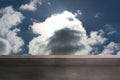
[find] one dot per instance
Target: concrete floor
(59, 68)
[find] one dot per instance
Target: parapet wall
(59, 67)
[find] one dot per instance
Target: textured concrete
(59, 68)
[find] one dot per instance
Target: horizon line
(59, 56)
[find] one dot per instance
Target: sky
(59, 27)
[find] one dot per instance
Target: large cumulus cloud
(59, 34)
(9, 41)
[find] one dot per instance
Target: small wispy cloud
(78, 13)
(109, 29)
(32, 5)
(111, 49)
(49, 3)
(98, 15)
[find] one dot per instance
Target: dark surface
(59, 68)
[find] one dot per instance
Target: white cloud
(111, 48)
(32, 5)
(110, 30)
(62, 33)
(78, 13)
(97, 38)
(9, 19)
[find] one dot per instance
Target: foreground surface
(59, 68)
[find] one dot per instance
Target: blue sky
(20, 22)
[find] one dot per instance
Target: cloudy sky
(59, 27)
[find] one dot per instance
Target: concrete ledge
(59, 67)
(60, 56)
(60, 60)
